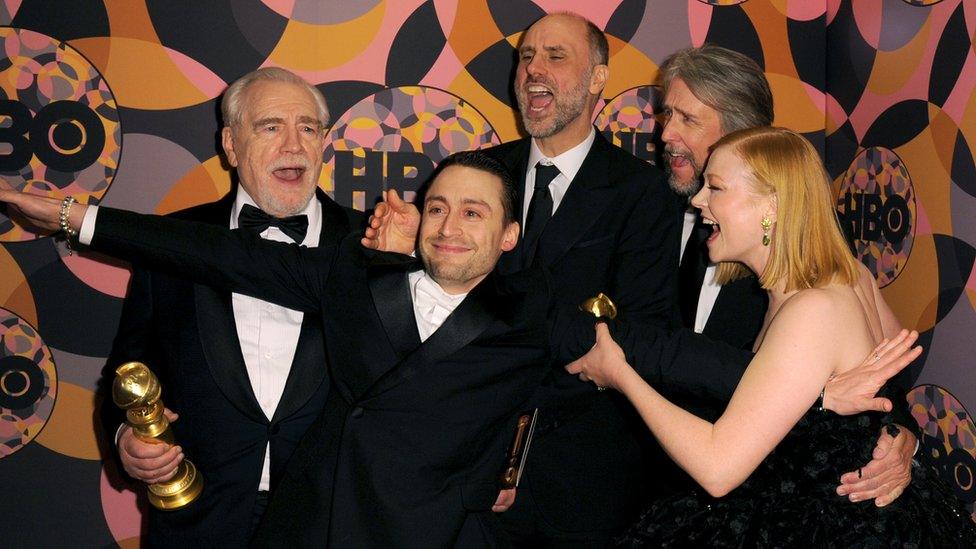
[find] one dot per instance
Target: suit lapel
(222, 348)
(390, 293)
(478, 310)
(218, 332)
(309, 367)
(589, 195)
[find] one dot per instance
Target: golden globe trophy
(600, 306)
(136, 390)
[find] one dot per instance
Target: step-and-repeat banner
(116, 102)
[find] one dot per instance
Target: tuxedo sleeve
(676, 361)
(239, 261)
(643, 283)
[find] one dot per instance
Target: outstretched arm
(779, 386)
(689, 363)
(209, 254)
(40, 211)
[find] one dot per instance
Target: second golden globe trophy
(600, 306)
(136, 390)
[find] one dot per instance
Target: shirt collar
(313, 210)
(420, 280)
(568, 162)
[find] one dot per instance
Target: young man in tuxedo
(431, 359)
(710, 91)
(246, 377)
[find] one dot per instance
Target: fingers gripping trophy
(603, 308)
(137, 391)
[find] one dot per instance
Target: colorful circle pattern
(395, 138)
(876, 203)
(948, 437)
(629, 121)
(62, 133)
(28, 383)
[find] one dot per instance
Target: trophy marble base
(178, 491)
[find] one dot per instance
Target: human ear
(510, 237)
(598, 79)
(227, 141)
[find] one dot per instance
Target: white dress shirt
(431, 304)
(710, 288)
(268, 333)
(568, 164)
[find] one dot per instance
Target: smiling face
(277, 146)
(463, 230)
(556, 82)
(729, 202)
(691, 127)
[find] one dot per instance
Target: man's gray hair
(725, 80)
(231, 105)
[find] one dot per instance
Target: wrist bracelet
(64, 220)
(819, 405)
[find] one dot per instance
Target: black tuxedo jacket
(186, 334)
(614, 232)
(738, 313)
(409, 447)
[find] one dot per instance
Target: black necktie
(540, 210)
(253, 219)
(691, 273)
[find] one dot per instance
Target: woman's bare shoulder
(816, 312)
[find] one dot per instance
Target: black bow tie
(253, 219)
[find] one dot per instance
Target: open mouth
(716, 229)
(678, 159)
(539, 97)
(289, 173)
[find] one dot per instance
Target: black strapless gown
(789, 501)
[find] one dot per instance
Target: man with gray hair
(711, 91)
(245, 376)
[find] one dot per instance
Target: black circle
(14, 383)
(59, 113)
(66, 135)
(960, 474)
(20, 373)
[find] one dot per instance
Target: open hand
(40, 212)
(854, 391)
(393, 226)
(888, 473)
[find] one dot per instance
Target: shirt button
(357, 412)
